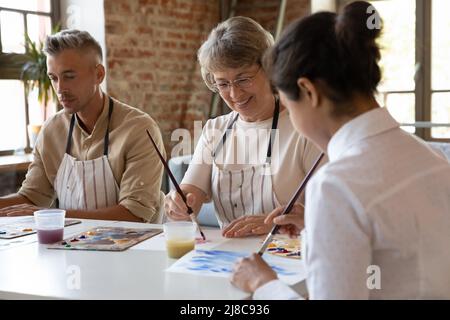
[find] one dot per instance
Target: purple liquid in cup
(50, 236)
(49, 225)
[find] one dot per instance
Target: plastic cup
(49, 225)
(180, 238)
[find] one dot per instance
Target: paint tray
(106, 239)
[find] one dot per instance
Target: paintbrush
(290, 204)
(175, 183)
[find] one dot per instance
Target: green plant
(34, 72)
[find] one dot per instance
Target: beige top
(133, 160)
(292, 154)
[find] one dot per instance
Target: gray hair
(234, 43)
(71, 39)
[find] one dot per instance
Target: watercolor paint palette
(24, 227)
(106, 239)
(285, 247)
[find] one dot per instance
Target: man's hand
(251, 273)
(19, 210)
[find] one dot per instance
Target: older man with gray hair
(92, 158)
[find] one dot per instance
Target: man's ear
(100, 73)
(308, 91)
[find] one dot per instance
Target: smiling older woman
(251, 160)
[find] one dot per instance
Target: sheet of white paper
(220, 264)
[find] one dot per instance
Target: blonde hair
(71, 39)
(234, 43)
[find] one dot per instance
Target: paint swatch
(284, 246)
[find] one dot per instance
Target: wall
(152, 61)
(152, 48)
(85, 15)
(266, 12)
(321, 5)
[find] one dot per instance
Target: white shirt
(383, 200)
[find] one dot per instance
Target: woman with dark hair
(377, 217)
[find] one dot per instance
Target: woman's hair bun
(359, 22)
(357, 28)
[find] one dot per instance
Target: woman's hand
(291, 223)
(247, 226)
(251, 273)
(174, 206)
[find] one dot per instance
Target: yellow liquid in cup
(178, 248)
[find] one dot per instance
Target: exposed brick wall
(151, 53)
(151, 57)
(266, 12)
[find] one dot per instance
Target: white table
(29, 270)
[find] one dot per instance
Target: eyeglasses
(241, 83)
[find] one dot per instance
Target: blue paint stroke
(217, 261)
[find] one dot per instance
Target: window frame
(14, 72)
(423, 90)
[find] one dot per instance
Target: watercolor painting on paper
(220, 264)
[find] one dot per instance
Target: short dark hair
(340, 51)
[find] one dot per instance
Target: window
(17, 18)
(398, 58)
(440, 68)
(416, 74)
